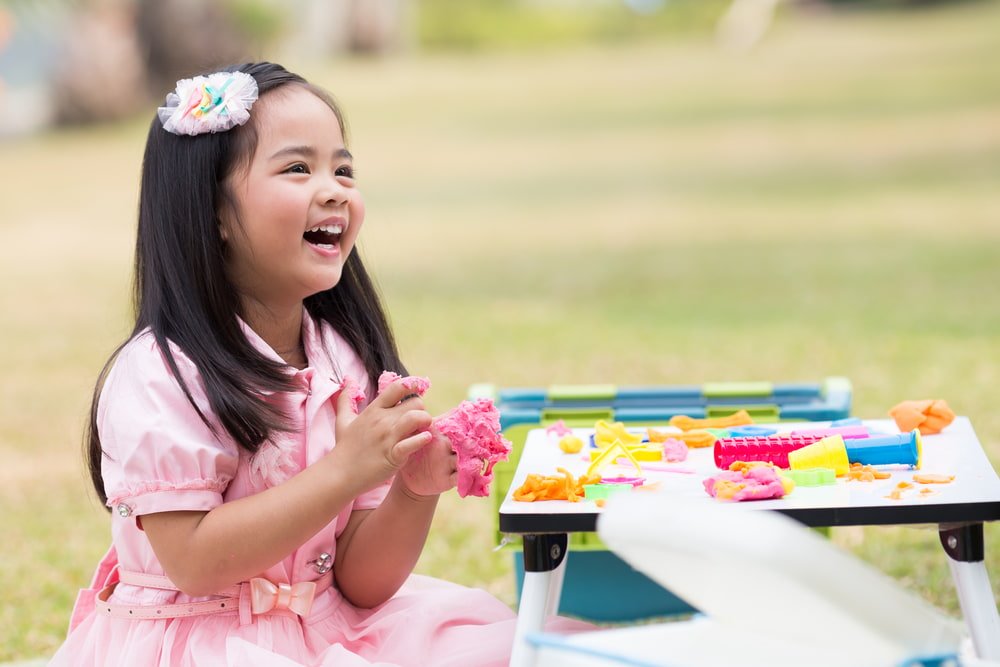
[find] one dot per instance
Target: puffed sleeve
(159, 455)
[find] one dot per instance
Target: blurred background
(571, 191)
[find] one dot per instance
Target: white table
(959, 509)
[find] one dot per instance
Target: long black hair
(181, 292)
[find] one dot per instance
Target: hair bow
(213, 103)
(265, 596)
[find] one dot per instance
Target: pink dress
(160, 456)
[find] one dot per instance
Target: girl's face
(298, 212)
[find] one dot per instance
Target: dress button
(323, 563)
(124, 511)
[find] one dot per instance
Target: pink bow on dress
(265, 596)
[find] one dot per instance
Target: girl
(256, 518)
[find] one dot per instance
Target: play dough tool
(643, 453)
(900, 449)
(826, 453)
(609, 455)
(771, 448)
(846, 432)
(606, 433)
(750, 430)
(812, 477)
(603, 491)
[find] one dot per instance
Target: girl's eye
(297, 168)
(346, 171)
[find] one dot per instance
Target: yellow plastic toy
(646, 452)
(829, 452)
(609, 455)
(605, 434)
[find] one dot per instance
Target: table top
(973, 496)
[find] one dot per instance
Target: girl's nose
(332, 193)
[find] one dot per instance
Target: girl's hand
(431, 470)
(375, 444)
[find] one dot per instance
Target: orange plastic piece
(554, 487)
(601, 502)
(895, 494)
(928, 416)
(931, 478)
(693, 439)
(685, 423)
(904, 485)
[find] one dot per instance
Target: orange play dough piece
(693, 439)
(862, 473)
(554, 487)
(928, 416)
(931, 478)
(685, 423)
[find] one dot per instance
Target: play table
(958, 509)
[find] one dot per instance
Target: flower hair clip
(213, 103)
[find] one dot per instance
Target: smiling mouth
(324, 236)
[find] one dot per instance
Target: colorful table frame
(959, 509)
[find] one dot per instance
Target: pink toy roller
(771, 448)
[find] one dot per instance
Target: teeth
(328, 229)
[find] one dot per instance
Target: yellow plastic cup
(826, 453)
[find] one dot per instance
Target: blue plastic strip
(520, 394)
(655, 414)
(660, 392)
(933, 660)
(815, 413)
(797, 391)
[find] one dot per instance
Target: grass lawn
(648, 213)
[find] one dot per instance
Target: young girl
(256, 518)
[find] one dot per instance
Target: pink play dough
(758, 484)
(357, 396)
(418, 385)
(674, 450)
(474, 431)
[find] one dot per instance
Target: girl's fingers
(403, 449)
(414, 421)
(396, 392)
(345, 405)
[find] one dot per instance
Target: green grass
(649, 213)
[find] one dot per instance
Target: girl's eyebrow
(309, 152)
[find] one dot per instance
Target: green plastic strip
(737, 389)
(760, 413)
(583, 392)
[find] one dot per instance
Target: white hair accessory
(213, 103)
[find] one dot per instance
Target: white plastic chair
(775, 594)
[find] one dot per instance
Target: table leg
(542, 555)
(556, 586)
(966, 553)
